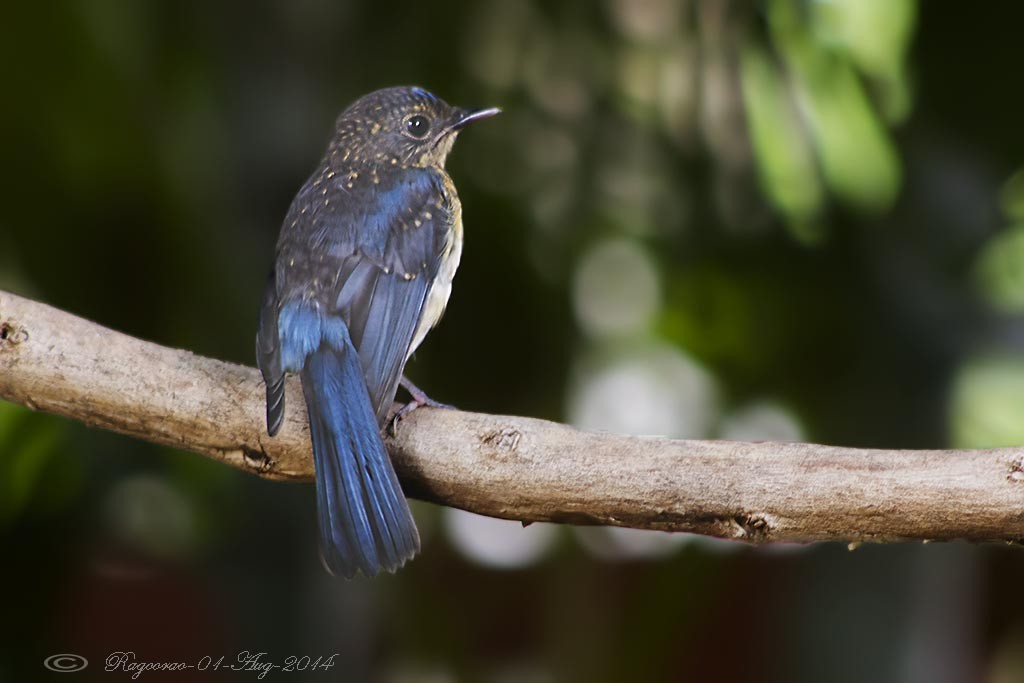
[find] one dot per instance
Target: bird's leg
(419, 398)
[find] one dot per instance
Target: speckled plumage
(363, 270)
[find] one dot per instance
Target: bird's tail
(365, 522)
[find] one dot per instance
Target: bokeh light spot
(762, 421)
(618, 543)
(498, 543)
(656, 390)
(1000, 270)
(987, 404)
(616, 289)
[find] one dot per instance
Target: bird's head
(404, 126)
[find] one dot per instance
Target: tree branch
(515, 467)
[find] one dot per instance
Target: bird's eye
(417, 126)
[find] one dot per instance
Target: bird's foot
(419, 399)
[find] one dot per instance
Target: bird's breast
(441, 288)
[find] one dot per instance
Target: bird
(363, 270)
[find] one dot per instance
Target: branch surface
(515, 467)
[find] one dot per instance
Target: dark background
(711, 219)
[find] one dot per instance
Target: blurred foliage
(788, 219)
(28, 443)
(1001, 270)
(988, 401)
(822, 46)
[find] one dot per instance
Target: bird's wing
(375, 254)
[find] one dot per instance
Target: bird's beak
(468, 116)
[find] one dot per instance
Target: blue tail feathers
(365, 521)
